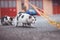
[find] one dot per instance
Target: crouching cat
(24, 18)
(6, 20)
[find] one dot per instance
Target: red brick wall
(8, 11)
(56, 6)
(8, 7)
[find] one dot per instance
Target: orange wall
(47, 6)
(18, 6)
(27, 6)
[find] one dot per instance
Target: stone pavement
(41, 30)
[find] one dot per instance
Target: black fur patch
(2, 19)
(30, 17)
(22, 16)
(19, 16)
(5, 18)
(11, 19)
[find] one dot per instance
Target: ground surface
(41, 30)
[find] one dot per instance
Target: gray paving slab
(41, 30)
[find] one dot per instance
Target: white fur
(6, 20)
(23, 20)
